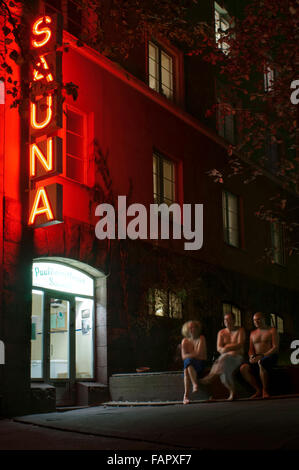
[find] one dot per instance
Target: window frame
(159, 197)
(278, 255)
(67, 20)
(84, 115)
(229, 307)
(275, 320)
(222, 125)
(269, 83)
(169, 297)
(161, 49)
(224, 17)
(226, 229)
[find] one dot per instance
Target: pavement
(248, 425)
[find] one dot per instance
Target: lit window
(230, 208)
(164, 303)
(75, 145)
(277, 322)
(164, 180)
(222, 24)
(160, 70)
(277, 237)
(269, 76)
(226, 122)
(230, 308)
(2, 92)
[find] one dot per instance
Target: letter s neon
(43, 31)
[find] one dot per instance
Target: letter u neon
(41, 125)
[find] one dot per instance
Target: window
(226, 122)
(230, 208)
(160, 70)
(269, 76)
(75, 145)
(164, 303)
(72, 12)
(164, 180)
(272, 154)
(222, 24)
(277, 238)
(230, 308)
(277, 322)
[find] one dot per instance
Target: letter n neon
(47, 161)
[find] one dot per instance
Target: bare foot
(266, 394)
(231, 397)
(186, 400)
(195, 388)
(257, 394)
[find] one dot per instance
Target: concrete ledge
(91, 393)
(151, 386)
(169, 386)
(43, 398)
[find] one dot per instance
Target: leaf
(6, 30)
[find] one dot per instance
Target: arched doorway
(66, 297)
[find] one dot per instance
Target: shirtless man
(230, 345)
(194, 355)
(263, 349)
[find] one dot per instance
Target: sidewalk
(241, 425)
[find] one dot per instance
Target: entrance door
(59, 346)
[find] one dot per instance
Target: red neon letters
(45, 153)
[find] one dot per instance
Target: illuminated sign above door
(61, 278)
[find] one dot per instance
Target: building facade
(75, 308)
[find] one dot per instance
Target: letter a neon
(38, 75)
(41, 195)
(47, 161)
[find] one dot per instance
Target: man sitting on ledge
(263, 355)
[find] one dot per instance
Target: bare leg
(265, 381)
(193, 377)
(245, 371)
(227, 380)
(208, 379)
(187, 388)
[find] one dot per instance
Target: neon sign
(45, 149)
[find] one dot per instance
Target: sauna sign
(45, 146)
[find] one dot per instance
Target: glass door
(59, 346)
